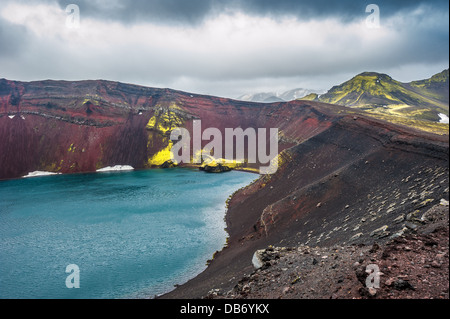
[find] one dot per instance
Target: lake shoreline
(232, 262)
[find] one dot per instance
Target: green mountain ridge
(382, 95)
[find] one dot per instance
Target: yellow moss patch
(164, 121)
(283, 157)
(162, 156)
(93, 99)
(152, 123)
(60, 165)
(72, 148)
(174, 106)
(52, 167)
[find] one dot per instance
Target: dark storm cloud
(347, 9)
(160, 11)
(195, 11)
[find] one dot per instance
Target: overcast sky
(223, 47)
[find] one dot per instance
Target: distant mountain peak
(271, 97)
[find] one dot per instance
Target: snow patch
(116, 168)
(444, 118)
(40, 173)
(11, 116)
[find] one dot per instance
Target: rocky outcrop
(168, 164)
(218, 168)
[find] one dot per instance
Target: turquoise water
(132, 234)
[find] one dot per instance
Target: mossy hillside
(439, 78)
(373, 90)
(379, 93)
(437, 87)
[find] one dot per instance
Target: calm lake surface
(131, 234)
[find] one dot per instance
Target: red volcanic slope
(72, 127)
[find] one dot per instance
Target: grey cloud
(157, 11)
(195, 11)
(420, 39)
(13, 38)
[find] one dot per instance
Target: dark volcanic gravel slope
(413, 266)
